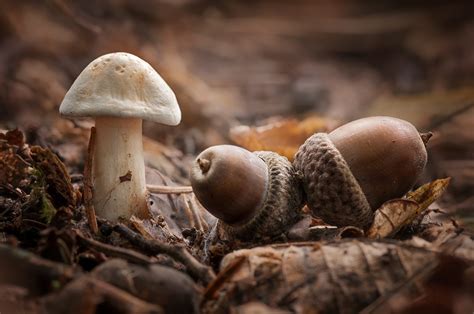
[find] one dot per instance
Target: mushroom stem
(119, 169)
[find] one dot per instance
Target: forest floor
(264, 75)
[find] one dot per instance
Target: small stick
(115, 251)
(179, 253)
(166, 189)
(88, 185)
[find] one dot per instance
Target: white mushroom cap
(121, 85)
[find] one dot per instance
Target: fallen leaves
(392, 216)
(283, 136)
(429, 193)
(395, 214)
(317, 277)
(56, 176)
(35, 181)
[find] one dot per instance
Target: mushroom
(120, 90)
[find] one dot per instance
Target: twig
(115, 251)
(90, 295)
(88, 186)
(179, 253)
(24, 269)
(165, 189)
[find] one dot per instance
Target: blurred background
(284, 68)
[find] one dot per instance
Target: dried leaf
(395, 214)
(284, 136)
(311, 277)
(429, 193)
(14, 169)
(392, 216)
(14, 137)
(56, 176)
(446, 289)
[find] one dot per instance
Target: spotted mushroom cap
(121, 85)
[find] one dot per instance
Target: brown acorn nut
(252, 194)
(348, 173)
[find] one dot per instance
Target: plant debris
(312, 277)
(265, 75)
(395, 214)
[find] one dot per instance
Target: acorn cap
(121, 85)
(281, 206)
(335, 195)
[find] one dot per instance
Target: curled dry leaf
(395, 214)
(339, 277)
(56, 176)
(391, 216)
(283, 136)
(429, 193)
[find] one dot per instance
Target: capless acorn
(230, 182)
(252, 194)
(348, 173)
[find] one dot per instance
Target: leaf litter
(419, 255)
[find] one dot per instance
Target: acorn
(252, 194)
(348, 173)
